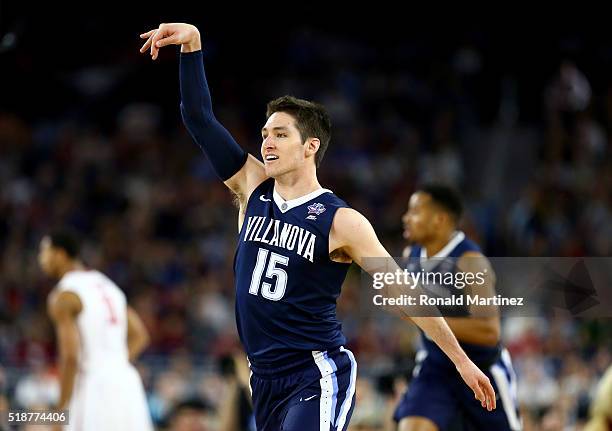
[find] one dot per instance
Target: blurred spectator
(39, 389)
(191, 415)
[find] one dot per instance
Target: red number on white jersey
(112, 316)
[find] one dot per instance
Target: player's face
(46, 256)
(282, 149)
(421, 218)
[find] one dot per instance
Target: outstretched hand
(479, 383)
(185, 35)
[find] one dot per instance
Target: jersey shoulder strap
(263, 192)
(415, 251)
(463, 247)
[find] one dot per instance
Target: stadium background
(91, 137)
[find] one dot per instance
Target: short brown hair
(311, 120)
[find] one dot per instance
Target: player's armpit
(137, 335)
(243, 182)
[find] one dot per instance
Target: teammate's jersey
(102, 322)
(286, 283)
(446, 261)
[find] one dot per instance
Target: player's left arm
(64, 310)
(137, 335)
(353, 235)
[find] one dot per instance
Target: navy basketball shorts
(439, 394)
(318, 396)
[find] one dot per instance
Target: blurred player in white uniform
(98, 336)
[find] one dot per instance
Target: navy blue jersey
(286, 284)
(446, 261)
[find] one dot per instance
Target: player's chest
(284, 236)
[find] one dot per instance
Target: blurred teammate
(296, 242)
(436, 396)
(98, 335)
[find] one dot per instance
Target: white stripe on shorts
(327, 390)
(507, 361)
(250, 377)
(506, 396)
(350, 392)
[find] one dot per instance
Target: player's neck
(74, 265)
(436, 244)
(293, 185)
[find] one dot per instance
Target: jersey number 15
(272, 271)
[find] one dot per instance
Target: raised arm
(63, 310)
(353, 235)
(241, 172)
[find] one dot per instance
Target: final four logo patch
(316, 209)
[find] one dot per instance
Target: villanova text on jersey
(286, 283)
(283, 235)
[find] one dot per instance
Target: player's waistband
(293, 362)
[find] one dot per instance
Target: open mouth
(271, 158)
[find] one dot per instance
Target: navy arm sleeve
(225, 155)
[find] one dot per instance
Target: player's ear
(62, 255)
(448, 218)
(439, 218)
(311, 146)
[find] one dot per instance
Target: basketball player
(98, 336)
(296, 241)
(436, 396)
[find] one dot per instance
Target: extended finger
(488, 399)
(147, 44)
(159, 34)
(147, 34)
(479, 394)
(490, 395)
